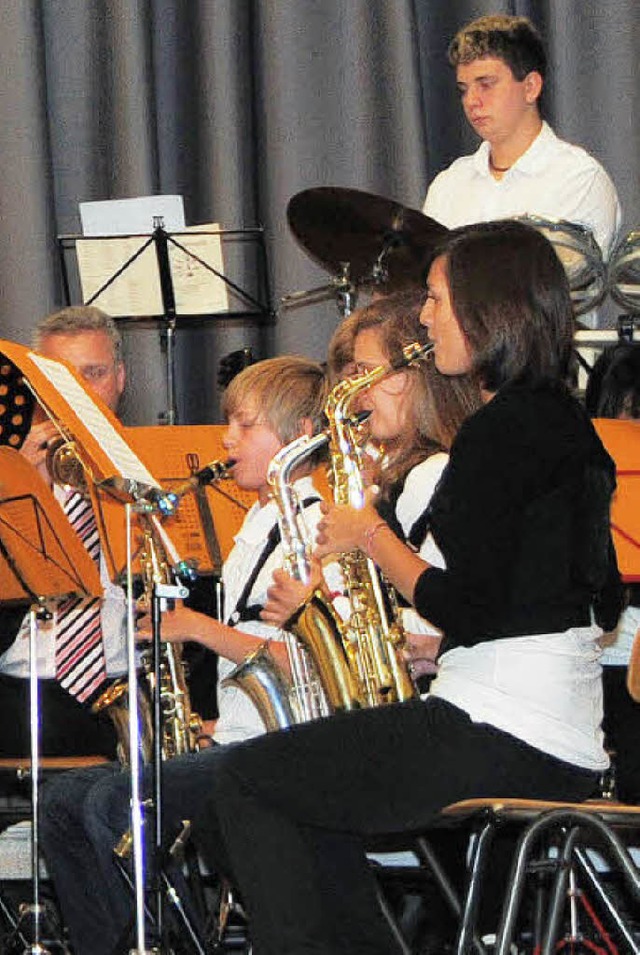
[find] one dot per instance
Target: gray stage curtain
(237, 105)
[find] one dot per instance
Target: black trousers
(622, 732)
(292, 811)
(68, 728)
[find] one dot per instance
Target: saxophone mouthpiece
(412, 353)
(214, 471)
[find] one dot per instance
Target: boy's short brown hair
(514, 40)
(285, 391)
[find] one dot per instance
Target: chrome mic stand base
(24, 932)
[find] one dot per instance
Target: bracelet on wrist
(370, 533)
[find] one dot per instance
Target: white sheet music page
(125, 462)
(131, 216)
(136, 292)
(197, 290)
(120, 228)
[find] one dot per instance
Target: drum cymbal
(383, 242)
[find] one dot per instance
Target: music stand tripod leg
(34, 910)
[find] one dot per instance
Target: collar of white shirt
(530, 163)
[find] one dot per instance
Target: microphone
(167, 501)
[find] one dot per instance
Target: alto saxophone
(357, 662)
(373, 635)
(321, 681)
(316, 625)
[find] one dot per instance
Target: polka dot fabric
(16, 405)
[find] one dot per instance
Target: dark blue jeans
(84, 814)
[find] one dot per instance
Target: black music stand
(41, 561)
(162, 241)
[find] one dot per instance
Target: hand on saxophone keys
(420, 652)
(344, 528)
(176, 624)
(286, 595)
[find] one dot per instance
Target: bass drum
(624, 272)
(580, 256)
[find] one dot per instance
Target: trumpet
(65, 465)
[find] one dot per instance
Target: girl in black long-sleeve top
(521, 517)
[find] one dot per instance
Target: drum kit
(369, 242)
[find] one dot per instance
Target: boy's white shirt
(238, 717)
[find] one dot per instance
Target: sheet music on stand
(82, 417)
(113, 468)
(137, 290)
(216, 271)
(122, 463)
(146, 269)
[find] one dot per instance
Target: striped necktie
(80, 660)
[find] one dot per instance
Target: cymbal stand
(346, 293)
(380, 271)
(341, 286)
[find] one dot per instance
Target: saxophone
(373, 636)
(357, 662)
(181, 727)
(321, 681)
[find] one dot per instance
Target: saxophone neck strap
(242, 612)
(419, 529)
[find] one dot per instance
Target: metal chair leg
(576, 824)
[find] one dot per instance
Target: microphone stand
(35, 948)
(137, 808)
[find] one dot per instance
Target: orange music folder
(81, 416)
(41, 556)
(173, 453)
(622, 441)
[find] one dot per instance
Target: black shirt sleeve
(510, 520)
